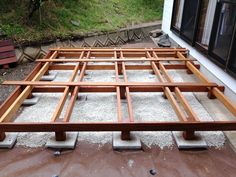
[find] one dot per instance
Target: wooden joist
(118, 60)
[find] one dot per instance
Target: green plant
(35, 5)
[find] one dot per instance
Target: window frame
(219, 61)
(208, 52)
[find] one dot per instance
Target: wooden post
(188, 71)
(189, 135)
(122, 93)
(60, 136)
(164, 96)
(119, 68)
(6, 66)
(125, 135)
(2, 136)
(211, 95)
(47, 72)
(30, 96)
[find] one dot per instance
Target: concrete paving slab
(119, 144)
(31, 101)
(199, 143)
(49, 77)
(232, 139)
(69, 143)
(9, 141)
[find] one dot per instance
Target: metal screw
(57, 153)
(153, 172)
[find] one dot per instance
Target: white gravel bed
(101, 107)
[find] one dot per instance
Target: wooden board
(119, 61)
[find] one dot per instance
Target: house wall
(211, 71)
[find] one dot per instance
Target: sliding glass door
(207, 12)
(189, 20)
(231, 65)
(210, 27)
(177, 14)
(223, 30)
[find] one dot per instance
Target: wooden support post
(24, 94)
(60, 136)
(47, 72)
(30, 96)
(119, 68)
(2, 136)
(211, 95)
(188, 71)
(189, 135)
(118, 92)
(164, 96)
(6, 66)
(122, 93)
(125, 135)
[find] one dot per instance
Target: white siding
(212, 71)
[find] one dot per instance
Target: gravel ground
(17, 73)
(102, 107)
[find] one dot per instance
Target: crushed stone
(101, 107)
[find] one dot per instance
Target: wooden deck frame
(119, 60)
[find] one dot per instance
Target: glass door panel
(232, 61)
(178, 13)
(189, 19)
(224, 28)
(207, 12)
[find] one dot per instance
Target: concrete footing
(31, 101)
(198, 143)
(9, 141)
(119, 144)
(69, 143)
(49, 77)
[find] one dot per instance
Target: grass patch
(59, 17)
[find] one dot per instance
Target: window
(189, 19)
(177, 14)
(223, 31)
(210, 26)
(232, 60)
(207, 12)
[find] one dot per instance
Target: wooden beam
(19, 100)
(112, 67)
(118, 91)
(118, 49)
(223, 99)
(191, 115)
(215, 91)
(125, 84)
(167, 92)
(62, 101)
(88, 89)
(108, 60)
(124, 126)
(128, 97)
(74, 94)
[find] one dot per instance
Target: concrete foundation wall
(113, 39)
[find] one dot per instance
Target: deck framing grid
(161, 60)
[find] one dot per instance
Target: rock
(155, 33)
(76, 23)
(164, 41)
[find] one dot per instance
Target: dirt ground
(93, 161)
